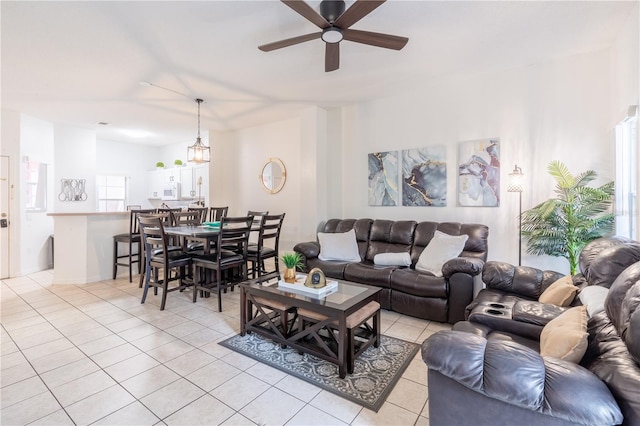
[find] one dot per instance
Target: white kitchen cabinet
(188, 187)
(155, 184)
(187, 177)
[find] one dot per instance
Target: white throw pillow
(392, 259)
(339, 246)
(441, 248)
(593, 298)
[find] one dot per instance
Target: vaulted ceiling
(80, 63)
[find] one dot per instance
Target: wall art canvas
(383, 178)
(479, 173)
(424, 176)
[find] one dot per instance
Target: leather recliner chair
(485, 376)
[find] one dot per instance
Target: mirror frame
(284, 175)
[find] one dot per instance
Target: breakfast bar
(83, 245)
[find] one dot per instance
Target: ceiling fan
(335, 22)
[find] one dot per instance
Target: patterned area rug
(376, 370)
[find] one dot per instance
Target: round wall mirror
(273, 175)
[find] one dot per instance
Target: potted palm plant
(292, 261)
(563, 225)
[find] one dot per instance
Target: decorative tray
(299, 287)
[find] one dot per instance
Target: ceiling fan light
(332, 35)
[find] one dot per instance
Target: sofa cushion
(368, 273)
(566, 336)
(418, 284)
(623, 308)
(392, 259)
(560, 293)
(338, 246)
(441, 248)
(593, 298)
(388, 236)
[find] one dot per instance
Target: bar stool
(234, 232)
(160, 256)
(267, 246)
(132, 239)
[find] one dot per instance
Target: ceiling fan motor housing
(331, 9)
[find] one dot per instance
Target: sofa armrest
(514, 374)
(466, 265)
(520, 280)
(310, 250)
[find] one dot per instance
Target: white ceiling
(80, 63)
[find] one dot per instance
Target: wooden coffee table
(335, 308)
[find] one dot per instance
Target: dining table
(205, 233)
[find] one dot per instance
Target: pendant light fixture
(198, 153)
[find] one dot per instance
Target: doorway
(4, 217)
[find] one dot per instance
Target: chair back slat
(186, 218)
(270, 230)
(203, 212)
(234, 232)
(217, 213)
(133, 219)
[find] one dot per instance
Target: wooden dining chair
(217, 213)
(132, 240)
(209, 268)
(204, 212)
(164, 265)
(189, 218)
(267, 245)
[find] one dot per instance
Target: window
(36, 186)
(112, 193)
(627, 175)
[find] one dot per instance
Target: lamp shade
(515, 180)
(198, 153)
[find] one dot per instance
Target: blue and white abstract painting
(424, 176)
(479, 173)
(383, 178)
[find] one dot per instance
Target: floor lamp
(515, 185)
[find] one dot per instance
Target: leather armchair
(486, 375)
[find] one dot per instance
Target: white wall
(552, 111)
(36, 144)
(240, 157)
(75, 158)
(130, 160)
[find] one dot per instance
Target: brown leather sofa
(490, 373)
(404, 289)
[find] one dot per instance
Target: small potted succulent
(178, 163)
(292, 261)
(159, 165)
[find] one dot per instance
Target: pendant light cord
(199, 101)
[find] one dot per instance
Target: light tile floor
(92, 354)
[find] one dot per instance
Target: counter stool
(132, 239)
(360, 334)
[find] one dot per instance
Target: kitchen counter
(83, 245)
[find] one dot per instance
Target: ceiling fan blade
(375, 39)
(332, 57)
(289, 42)
(307, 12)
(356, 12)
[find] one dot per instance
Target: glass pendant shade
(198, 152)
